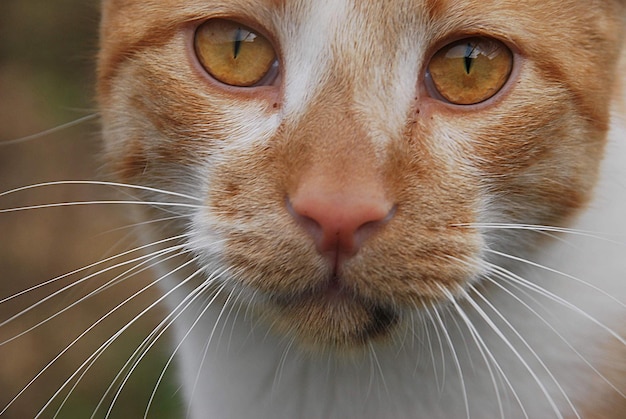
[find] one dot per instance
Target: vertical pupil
(238, 41)
(469, 49)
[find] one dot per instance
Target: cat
(401, 209)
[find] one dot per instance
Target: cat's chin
(332, 317)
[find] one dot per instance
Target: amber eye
(471, 70)
(232, 53)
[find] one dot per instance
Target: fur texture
(432, 312)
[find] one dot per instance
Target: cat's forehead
(375, 49)
(349, 23)
(143, 20)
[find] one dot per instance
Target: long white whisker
(198, 318)
(540, 228)
(431, 352)
(563, 274)
(75, 283)
(519, 356)
(281, 365)
(169, 321)
(544, 292)
(403, 339)
(88, 362)
(238, 302)
(462, 336)
(100, 183)
(124, 276)
(50, 131)
(487, 355)
(557, 333)
(456, 360)
(147, 223)
(67, 348)
(379, 368)
(87, 267)
(153, 337)
(209, 340)
(104, 202)
(112, 282)
(441, 351)
(143, 348)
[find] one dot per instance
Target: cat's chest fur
(369, 214)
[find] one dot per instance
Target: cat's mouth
(334, 316)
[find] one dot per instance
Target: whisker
(103, 202)
(198, 318)
(462, 335)
(557, 333)
(487, 355)
(441, 351)
(519, 356)
(430, 349)
(67, 348)
(124, 277)
(50, 131)
(379, 368)
(407, 334)
(239, 302)
(565, 303)
(210, 338)
(541, 228)
(84, 279)
(281, 365)
(147, 223)
(189, 299)
(118, 279)
(144, 347)
(98, 352)
(455, 359)
(142, 350)
(555, 271)
(100, 183)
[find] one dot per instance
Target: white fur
(306, 49)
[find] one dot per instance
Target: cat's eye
(233, 53)
(470, 70)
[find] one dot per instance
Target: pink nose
(339, 222)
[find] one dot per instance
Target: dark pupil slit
(468, 58)
(238, 41)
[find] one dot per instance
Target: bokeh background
(47, 55)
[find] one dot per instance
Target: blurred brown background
(47, 50)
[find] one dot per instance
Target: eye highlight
(471, 70)
(233, 53)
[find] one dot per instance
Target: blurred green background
(47, 56)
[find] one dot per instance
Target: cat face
(345, 167)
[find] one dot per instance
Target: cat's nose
(340, 221)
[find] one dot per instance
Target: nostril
(369, 228)
(312, 227)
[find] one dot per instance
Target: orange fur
(529, 155)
